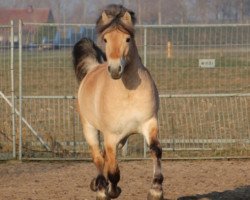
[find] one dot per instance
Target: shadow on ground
(240, 193)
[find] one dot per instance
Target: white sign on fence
(207, 63)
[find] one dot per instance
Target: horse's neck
(135, 60)
(131, 78)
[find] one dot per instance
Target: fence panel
(204, 106)
(48, 91)
(7, 114)
(204, 110)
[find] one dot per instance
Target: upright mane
(115, 14)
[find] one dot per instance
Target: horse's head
(117, 31)
(117, 46)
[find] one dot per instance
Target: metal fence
(7, 106)
(202, 73)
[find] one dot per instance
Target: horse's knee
(98, 161)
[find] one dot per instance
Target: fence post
(145, 64)
(12, 88)
(20, 87)
(145, 47)
(169, 50)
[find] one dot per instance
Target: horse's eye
(105, 40)
(128, 40)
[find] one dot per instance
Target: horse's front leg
(100, 183)
(150, 132)
(112, 168)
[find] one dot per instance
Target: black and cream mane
(115, 13)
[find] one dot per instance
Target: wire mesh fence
(202, 73)
(7, 126)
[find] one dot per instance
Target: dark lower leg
(114, 178)
(156, 152)
(113, 172)
(156, 193)
(100, 182)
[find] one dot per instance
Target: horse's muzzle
(115, 73)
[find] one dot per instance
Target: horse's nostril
(119, 69)
(109, 68)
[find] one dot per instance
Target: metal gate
(202, 73)
(48, 94)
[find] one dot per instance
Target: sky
(172, 11)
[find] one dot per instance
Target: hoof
(114, 193)
(155, 194)
(102, 195)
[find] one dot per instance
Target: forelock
(115, 12)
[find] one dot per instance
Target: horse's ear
(105, 18)
(127, 19)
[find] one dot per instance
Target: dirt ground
(184, 180)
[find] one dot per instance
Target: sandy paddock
(222, 180)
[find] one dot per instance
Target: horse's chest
(128, 122)
(135, 105)
(127, 115)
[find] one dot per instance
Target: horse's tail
(86, 56)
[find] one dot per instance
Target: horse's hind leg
(150, 132)
(112, 170)
(98, 184)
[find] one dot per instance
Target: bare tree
(173, 11)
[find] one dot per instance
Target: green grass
(51, 73)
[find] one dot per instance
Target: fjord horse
(117, 97)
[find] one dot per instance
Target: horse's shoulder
(96, 72)
(90, 80)
(99, 68)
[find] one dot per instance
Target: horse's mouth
(116, 75)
